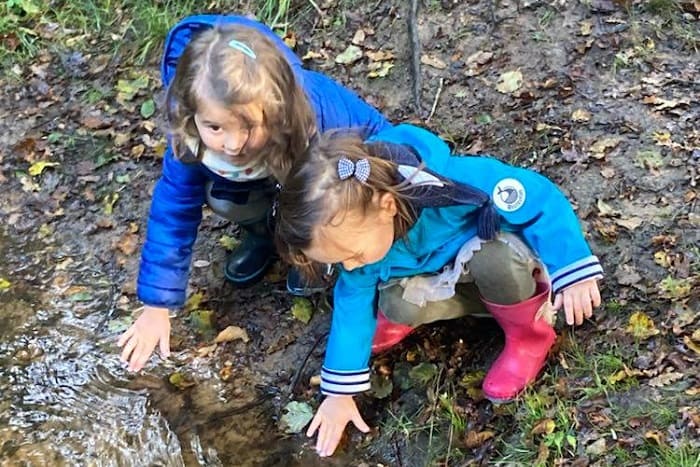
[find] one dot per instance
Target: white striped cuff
(334, 382)
(586, 268)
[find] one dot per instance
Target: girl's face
(224, 132)
(356, 239)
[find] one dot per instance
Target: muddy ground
(603, 97)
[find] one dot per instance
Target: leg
(249, 261)
(504, 273)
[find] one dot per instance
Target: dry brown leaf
(581, 115)
(630, 223)
(433, 61)
(128, 244)
(380, 55)
(359, 37)
(665, 379)
(206, 350)
(315, 380)
(232, 333)
(607, 172)
(600, 147)
(479, 58)
(475, 439)
(605, 209)
(543, 427)
(656, 436)
(691, 344)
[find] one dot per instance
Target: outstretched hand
(578, 301)
(139, 341)
(334, 413)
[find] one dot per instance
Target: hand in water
(139, 341)
(579, 301)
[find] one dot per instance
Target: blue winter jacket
(178, 196)
(529, 205)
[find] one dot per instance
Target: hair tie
(241, 47)
(348, 168)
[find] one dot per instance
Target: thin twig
(435, 102)
(318, 10)
(415, 55)
(297, 376)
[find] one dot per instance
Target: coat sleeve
(338, 107)
(533, 206)
(174, 217)
(346, 366)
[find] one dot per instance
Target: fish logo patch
(508, 195)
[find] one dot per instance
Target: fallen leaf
(302, 309)
(315, 380)
(675, 289)
(312, 55)
(297, 415)
(359, 37)
(423, 373)
(382, 386)
(510, 82)
(597, 448)
(586, 27)
(194, 301)
(475, 439)
(380, 55)
(543, 427)
(630, 223)
(202, 320)
(665, 379)
(656, 436)
(232, 333)
(290, 39)
(109, 201)
(228, 242)
(128, 244)
(599, 148)
(349, 56)
(38, 167)
(479, 58)
(605, 209)
(641, 326)
(4, 284)
(148, 108)
(201, 263)
(207, 350)
(581, 115)
(382, 70)
(433, 61)
(127, 89)
(181, 381)
(691, 344)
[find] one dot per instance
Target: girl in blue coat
(424, 236)
(240, 109)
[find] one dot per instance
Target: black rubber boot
(248, 263)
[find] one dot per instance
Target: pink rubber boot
(388, 333)
(529, 336)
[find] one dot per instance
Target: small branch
(435, 102)
(415, 55)
(297, 376)
(318, 10)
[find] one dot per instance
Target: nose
(235, 142)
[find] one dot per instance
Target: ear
(387, 207)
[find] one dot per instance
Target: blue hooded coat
(528, 204)
(179, 194)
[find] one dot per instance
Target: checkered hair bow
(348, 168)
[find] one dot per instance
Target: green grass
(134, 28)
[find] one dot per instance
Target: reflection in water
(61, 399)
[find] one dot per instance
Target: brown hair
(314, 195)
(210, 67)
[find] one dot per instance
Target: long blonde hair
(210, 67)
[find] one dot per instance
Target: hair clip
(348, 168)
(241, 47)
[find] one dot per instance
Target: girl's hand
(334, 413)
(151, 328)
(579, 301)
